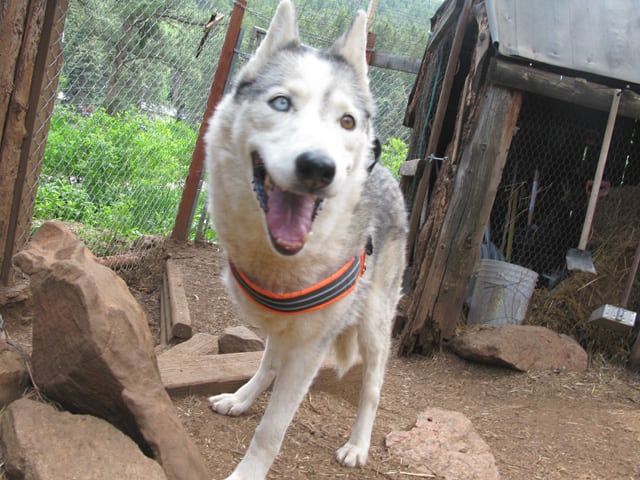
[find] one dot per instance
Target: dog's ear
(352, 45)
(283, 31)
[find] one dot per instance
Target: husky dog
(313, 227)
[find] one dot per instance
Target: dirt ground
(539, 426)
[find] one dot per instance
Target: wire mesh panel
(134, 84)
(128, 109)
(401, 29)
(540, 206)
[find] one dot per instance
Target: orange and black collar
(315, 297)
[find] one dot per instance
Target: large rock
(239, 339)
(92, 349)
(14, 377)
(444, 444)
(522, 347)
(40, 443)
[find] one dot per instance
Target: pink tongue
(289, 218)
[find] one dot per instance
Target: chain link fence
(134, 83)
(540, 206)
(129, 104)
(539, 214)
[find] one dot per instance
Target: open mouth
(289, 215)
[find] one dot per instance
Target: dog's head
(302, 125)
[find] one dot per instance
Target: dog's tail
(346, 350)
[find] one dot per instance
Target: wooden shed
(509, 112)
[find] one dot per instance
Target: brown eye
(348, 122)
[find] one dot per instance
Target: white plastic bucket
(501, 293)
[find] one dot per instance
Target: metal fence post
(189, 198)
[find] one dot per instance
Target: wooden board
(395, 62)
(578, 91)
(165, 320)
(176, 308)
(453, 245)
(30, 35)
(13, 136)
(213, 374)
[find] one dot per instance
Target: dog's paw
(228, 404)
(350, 455)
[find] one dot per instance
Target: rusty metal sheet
(593, 36)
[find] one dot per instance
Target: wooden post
(436, 129)
(597, 180)
(177, 308)
(436, 304)
(33, 54)
(184, 216)
(575, 90)
(371, 13)
(13, 13)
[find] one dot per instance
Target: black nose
(315, 169)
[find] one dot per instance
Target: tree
(141, 54)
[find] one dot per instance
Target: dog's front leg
(374, 348)
(234, 404)
(297, 371)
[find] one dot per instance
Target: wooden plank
(165, 321)
(477, 180)
(42, 99)
(444, 18)
(15, 132)
(213, 374)
(436, 128)
(207, 374)
(395, 62)
(436, 305)
(178, 308)
(575, 90)
(11, 31)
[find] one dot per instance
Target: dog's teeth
(306, 237)
(268, 183)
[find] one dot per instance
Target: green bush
(394, 152)
(59, 198)
(120, 174)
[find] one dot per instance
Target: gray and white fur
(295, 193)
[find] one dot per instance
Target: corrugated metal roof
(595, 36)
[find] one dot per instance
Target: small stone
(239, 339)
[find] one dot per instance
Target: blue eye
(280, 103)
